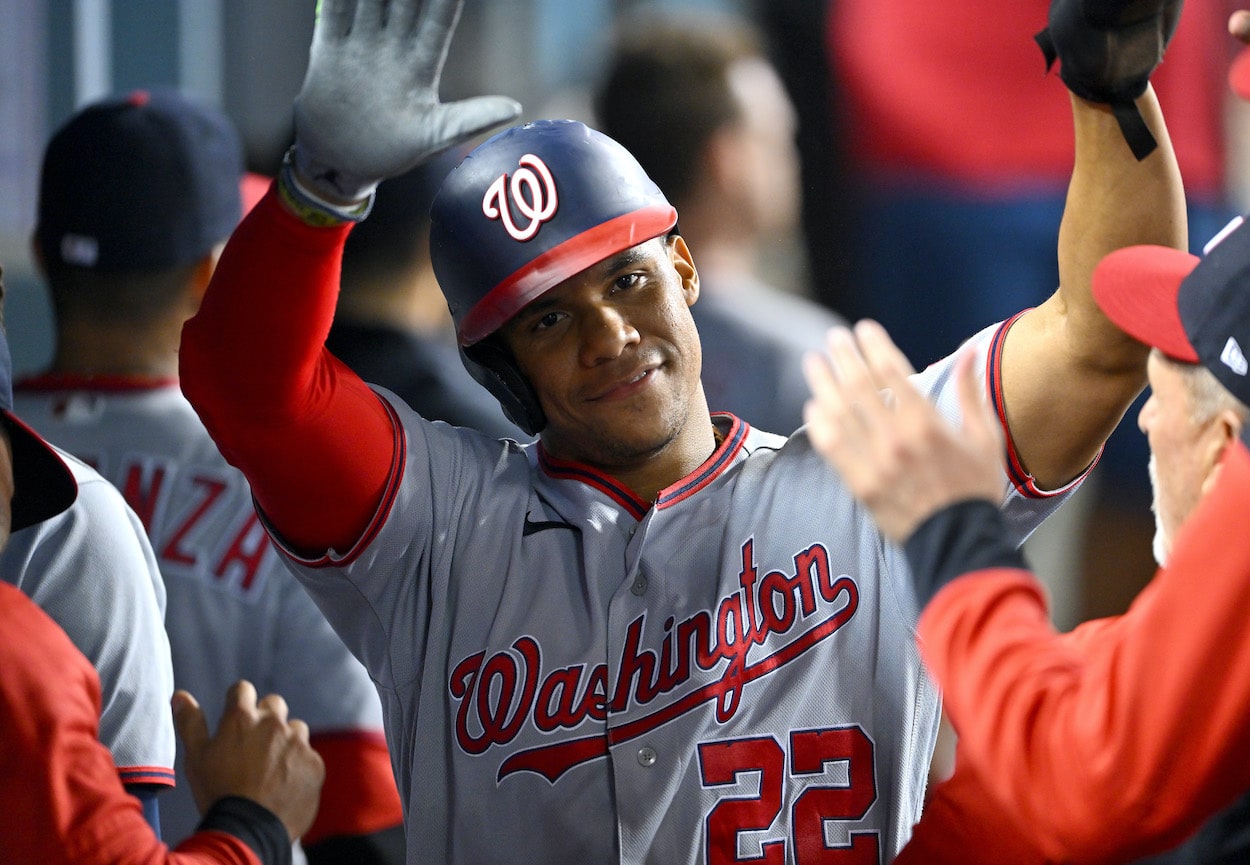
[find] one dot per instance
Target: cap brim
(1239, 74)
(560, 263)
(1136, 287)
(43, 485)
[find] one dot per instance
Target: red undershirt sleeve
(1081, 735)
(359, 796)
(315, 442)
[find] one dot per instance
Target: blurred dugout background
(247, 57)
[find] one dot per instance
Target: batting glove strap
(961, 538)
(1107, 51)
(313, 208)
(253, 824)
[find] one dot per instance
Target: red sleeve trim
(1024, 482)
(359, 796)
(146, 775)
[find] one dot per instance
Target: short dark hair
(84, 294)
(665, 90)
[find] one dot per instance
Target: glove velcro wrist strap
(1123, 106)
(312, 208)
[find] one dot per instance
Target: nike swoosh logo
(533, 527)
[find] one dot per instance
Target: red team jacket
(1108, 743)
(60, 798)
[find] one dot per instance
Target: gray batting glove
(369, 108)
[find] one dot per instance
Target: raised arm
(316, 445)
(1069, 374)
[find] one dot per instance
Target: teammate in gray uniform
(91, 569)
(137, 195)
(655, 635)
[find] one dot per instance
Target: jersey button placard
(640, 585)
(646, 756)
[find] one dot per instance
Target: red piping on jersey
(1024, 482)
(393, 482)
(711, 469)
(606, 484)
(720, 459)
(146, 775)
(109, 382)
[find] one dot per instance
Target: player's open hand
(257, 753)
(369, 106)
(895, 452)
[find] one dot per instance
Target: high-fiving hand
(369, 106)
(895, 452)
(257, 753)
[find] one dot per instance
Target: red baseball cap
(1194, 310)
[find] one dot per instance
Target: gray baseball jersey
(570, 674)
(233, 610)
(92, 570)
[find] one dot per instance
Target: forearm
(1069, 373)
(253, 364)
(1083, 732)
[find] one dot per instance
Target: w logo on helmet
(531, 195)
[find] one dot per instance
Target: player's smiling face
(614, 357)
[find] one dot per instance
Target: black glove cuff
(963, 537)
(253, 824)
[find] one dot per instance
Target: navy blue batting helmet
(524, 211)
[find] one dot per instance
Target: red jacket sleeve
(60, 798)
(1119, 739)
(315, 442)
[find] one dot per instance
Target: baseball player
(137, 194)
(81, 555)
(655, 634)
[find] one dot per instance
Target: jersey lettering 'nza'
(569, 674)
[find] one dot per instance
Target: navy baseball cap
(144, 181)
(43, 485)
(1193, 309)
(529, 208)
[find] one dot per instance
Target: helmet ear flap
(492, 365)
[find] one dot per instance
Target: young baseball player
(655, 634)
(137, 194)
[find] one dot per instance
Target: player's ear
(683, 263)
(1223, 430)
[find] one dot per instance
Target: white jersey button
(640, 585)
(646, 756)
